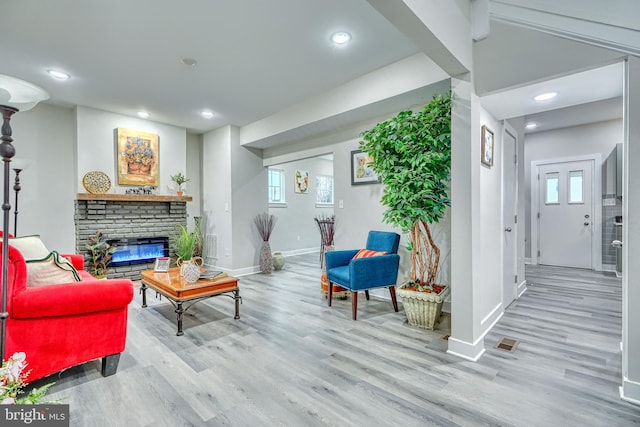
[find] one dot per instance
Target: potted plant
(184, 245)
(101, 252)
(412, 156)
(179, 179)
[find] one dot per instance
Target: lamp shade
(19, 94)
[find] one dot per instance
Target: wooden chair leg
(354, 304)
(366, 294)
(392, 291)
(330, 293)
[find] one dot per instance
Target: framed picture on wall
(137, 157)
(361, 171)
(486, 149)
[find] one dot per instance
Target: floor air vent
(507, 344)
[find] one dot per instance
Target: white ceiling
(585, 91)
(255, 57)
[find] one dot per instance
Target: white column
(630, 389)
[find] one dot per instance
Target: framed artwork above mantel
(137, 157)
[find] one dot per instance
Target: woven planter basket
(422, 308)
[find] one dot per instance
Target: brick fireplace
(122, 216)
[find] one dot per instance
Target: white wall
(45, 136)
(296, 229)
(593, 138)
(96, 146)
(216, 191)
(193, 188)
(249, 198)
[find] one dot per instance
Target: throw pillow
(51, 270)
(31, 247)
(366, 253)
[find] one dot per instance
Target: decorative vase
(190, 270)
(423, 309)
(179, 193)
(278, 260)
(266, 264)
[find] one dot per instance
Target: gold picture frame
(487, 147)
(137, 157)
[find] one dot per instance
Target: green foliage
(412, 155)
(184, 243)
(179, 179)
(100, 252)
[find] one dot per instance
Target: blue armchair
(362, 274)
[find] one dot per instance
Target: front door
(565, 214)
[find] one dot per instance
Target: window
(276, 186)
(551, 196)
(575, 187)
(324, 190)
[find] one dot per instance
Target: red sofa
(63, 325)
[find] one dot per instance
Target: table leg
(179, 312)
(144, 295)
(236, 294)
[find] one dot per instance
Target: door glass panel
(551, 196)
(575, 187)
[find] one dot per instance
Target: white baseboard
(609, 267)
(630, 391)
(465, 350)
(303, 251)
(522, 288)
(527, 260)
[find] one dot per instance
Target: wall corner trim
(465, 350)
(630, 391)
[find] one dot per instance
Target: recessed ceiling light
(143, 114)
(546, 96)
(60, 75)
(189, 62)
(531, 125)
(340, 38)
(207, 114)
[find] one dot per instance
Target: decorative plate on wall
(96, 182)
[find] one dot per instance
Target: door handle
(586, 223)
(616, 244)
(508, 229)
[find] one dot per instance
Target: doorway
(565, 218)
(509, 215)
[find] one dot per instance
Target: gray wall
(593, 138)
(296, 231)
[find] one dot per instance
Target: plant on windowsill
(101, 252)
(184, 246)
(412, 156)
(179, 179)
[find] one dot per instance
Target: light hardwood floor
(292, 361)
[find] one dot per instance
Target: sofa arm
(69, 299)
(339, 258)
(373, 272)
(76, 260)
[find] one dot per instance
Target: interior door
(565, 214)
(509, 211)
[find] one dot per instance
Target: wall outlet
(341, 204)
(226, 252)
(298, 237)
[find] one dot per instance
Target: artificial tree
(412, 156)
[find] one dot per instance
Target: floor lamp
(15, 95)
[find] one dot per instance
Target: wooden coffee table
(178, 291)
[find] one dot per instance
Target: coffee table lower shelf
(178, 292)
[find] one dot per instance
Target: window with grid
(276, 186)
(324, 190)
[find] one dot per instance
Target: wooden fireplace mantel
(133, 197)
